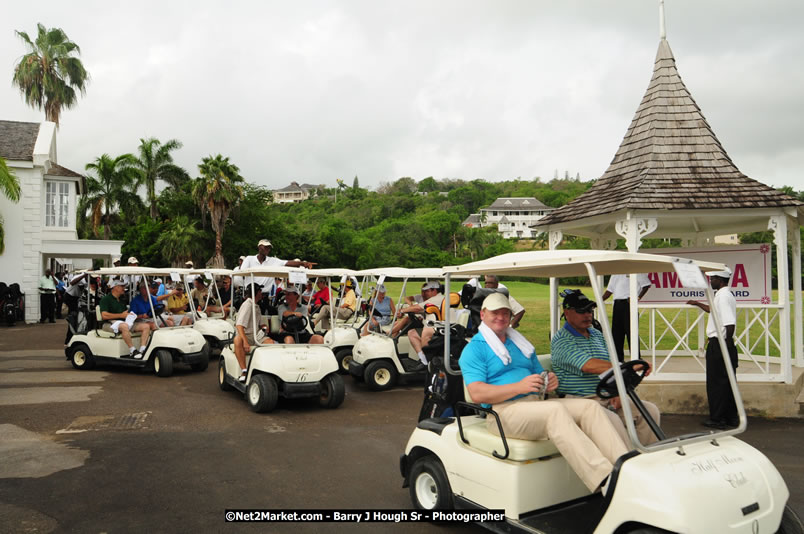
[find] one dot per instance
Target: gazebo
(671, 178)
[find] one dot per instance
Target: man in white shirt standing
(620, 287)
(722, 407)
(263, 258)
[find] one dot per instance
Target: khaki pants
(579, 428)
(323, 316)
(645, 434)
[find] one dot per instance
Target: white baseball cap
(264, 243)
(116, 259)
(116, 282)
(188, 262)
(132, 259)
(496, 301)
(725, 273)
(432, 285)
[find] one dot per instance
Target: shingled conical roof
(669, 159)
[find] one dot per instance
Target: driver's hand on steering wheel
(647, 371)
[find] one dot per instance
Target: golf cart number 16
(302, 377)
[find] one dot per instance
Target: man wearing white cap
(263, 258)
(433, 297)
(238, 280)
(190, 277)
(500, 368)
(722, 407)
(132, 279)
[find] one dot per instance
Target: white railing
(674, 342)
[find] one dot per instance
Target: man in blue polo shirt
(500, 368)
(579, 357)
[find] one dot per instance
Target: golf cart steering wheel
(607, 387)
(294, 323)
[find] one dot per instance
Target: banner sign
(750, 281)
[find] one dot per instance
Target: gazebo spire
(662, 30)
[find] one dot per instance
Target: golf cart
(381, 360)
(696, 483)
(214, 326)
(344, 334)
(279, 370)
(166, 345)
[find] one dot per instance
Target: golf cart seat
(105, 329)
(476, 432)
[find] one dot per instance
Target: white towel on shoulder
(499, 348)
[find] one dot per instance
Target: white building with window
(294, 193)
(40, 230)
(513, 216)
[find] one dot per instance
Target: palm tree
(10, 187)
(110, 190)
(49, 74)
(181, 241)
(156, 163)
(217, 191)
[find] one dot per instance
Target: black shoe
(711, 423)
(52, 321)
(418, 368)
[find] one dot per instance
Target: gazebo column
(633, 229)
(554, 238)
(778, 224)
(794, 236)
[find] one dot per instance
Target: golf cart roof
(563, 263)
(329, 273)
(213, 272)
(402, 272)
(148, 271)
(274, 271)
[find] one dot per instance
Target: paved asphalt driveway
(114, 450)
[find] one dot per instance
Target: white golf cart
(216, 327)
(698, 483)
(279, 370)
(381, 360)
(343, 335)
(166, 345)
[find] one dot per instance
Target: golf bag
(441, 389)
(13, 304)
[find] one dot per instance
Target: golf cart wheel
(332, 391)
(791, 523)
(163, 363)
(222, 383)
(380, 375)
(262, 393)
(81, 357)
(204, 363)
(429, 486)
(343, 356)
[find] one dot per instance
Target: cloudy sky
(312, 91)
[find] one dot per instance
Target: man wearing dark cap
(722, 407)
(579, 356)
(500, 368)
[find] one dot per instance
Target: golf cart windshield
(594, 263)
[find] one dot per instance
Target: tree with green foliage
(49, 74)
(155, 162)
(217, 191)
(181, 241)
(113, 186)
(10, 187)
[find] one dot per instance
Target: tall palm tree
(217, 191)
(113, 187)
(156, 163)
(10, 188)
(49, 74)
(181, 241)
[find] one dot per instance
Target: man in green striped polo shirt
(579, 356)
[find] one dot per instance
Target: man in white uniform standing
(263, 258)
(620, 287)
(722, 407)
